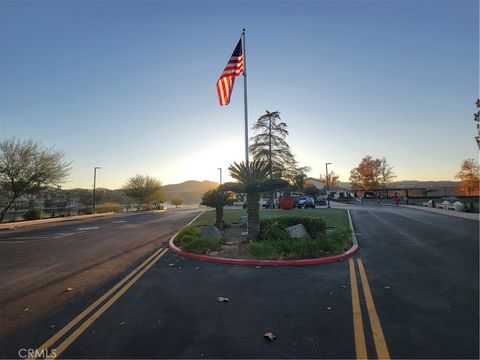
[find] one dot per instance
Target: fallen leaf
(69, 289)
(331, 292)
(387, 287)
(26, 309)
(179, 268)
(52, 326)
(198, 268)
(171, 264)
(122, 323)
(329, 308)
(223, 299)
(257, 267)
(344, 286)
(269, 336)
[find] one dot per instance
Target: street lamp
(220, 169)
(328, 188)
(94, 184)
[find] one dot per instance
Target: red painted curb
(317, 261)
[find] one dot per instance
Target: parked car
(305, 202)
(265, 204)
(369, 195)
(321, 202)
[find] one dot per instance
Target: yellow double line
(377, 332)
(47, 347)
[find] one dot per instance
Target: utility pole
(220, 169)
(94, 185)
(476, 118)
(328, 188)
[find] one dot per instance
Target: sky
(129, 86)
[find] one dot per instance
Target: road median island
(338, 224)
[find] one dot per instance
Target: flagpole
(245, 95)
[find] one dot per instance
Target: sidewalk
(462, 215)
(17, 224)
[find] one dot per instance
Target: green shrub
(190, 240)
(285, 248)
(274, 249)
(337, 240)
(108, 207)
(271, 231)
(33, 214)
(315, 225)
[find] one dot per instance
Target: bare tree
(386, 172)
(26, 167)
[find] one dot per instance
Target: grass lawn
(335, 217)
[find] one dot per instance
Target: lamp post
(328, 188)
(94, 185)
(220, 169)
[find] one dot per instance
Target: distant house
(335, 192)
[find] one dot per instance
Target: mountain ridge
(191, 190)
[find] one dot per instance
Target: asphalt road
(39, 263)
(411, 292)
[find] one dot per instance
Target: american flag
(234, 68)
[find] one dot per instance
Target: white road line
(119, 221)
(59, 235)
(30, 237)
(88, 228)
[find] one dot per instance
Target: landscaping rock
(242, 221)
(297, 232)
(210, 231)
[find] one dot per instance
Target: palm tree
(217, 199)
(253, 179)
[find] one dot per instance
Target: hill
(191, 191)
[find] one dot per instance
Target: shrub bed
(190, 240)
(275, 242)
(315, 225)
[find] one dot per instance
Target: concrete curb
(324, 260)
(460, 215)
